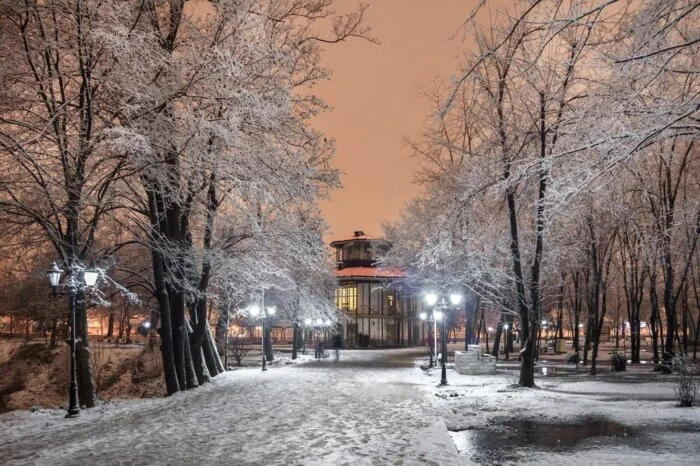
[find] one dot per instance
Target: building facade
(377, 313)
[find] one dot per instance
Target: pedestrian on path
(319, 348)
(337, 340)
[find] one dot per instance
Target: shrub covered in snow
(687, 386)
(618, 362)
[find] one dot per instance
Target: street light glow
(438, 315)
(90, 277)
(423, 316)
(271, 310)
(54, 274)
(307, 322)
(431, 299)
(254, 310)
(455, 299)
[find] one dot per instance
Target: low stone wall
(472, 362)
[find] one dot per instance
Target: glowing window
(346, 298)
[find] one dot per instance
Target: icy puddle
(502, 444)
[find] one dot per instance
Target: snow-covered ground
(371, 408)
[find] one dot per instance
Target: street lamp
(424, 317)
(264, 313)
(439, 313)
(74, 285)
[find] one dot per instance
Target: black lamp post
(74, 285)
(264, 314)
(424, 317)
(439, 313)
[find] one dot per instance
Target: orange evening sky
(376, 95)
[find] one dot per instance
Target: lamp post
(73, 284)
(424, 317)
(307, 324)
(439, 313)
(264, 313)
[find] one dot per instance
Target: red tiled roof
(361, 237)
(368, 272)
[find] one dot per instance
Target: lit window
(346, 298)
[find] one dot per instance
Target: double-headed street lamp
(75, 282)
(439, 313)
(264, 313)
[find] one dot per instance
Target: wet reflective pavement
(497, 445)
(515, 437)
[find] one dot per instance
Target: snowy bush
(237, 349)
(687, 387)
(101, 363)
(148, 365)
(618, 362)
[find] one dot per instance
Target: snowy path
(371, 408)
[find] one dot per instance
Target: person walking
(337, 340)
(318, 354)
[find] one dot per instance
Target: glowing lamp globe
(54, 274)
(90, 277)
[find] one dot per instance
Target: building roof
(368, 272)
(357, 236)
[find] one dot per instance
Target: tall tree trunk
(295, 340)
(684, 320)
(172, 381)
(654, 320)
(222, 325)
(211, 356)
(588, 339)
(110, 325)
(576, 280)
(54, 331)
(267, 344)
(195, 371)
(497, 339)
(86, 381)
(560, 309)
